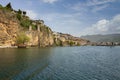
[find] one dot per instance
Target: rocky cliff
(14, 22)
(68, 40)
(8, 27)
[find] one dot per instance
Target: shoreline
(8, 47)
(61, 46)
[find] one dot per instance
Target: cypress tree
(8, 6)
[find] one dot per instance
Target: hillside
(103, 38)
(13, 23)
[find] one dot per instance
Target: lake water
(60, 63)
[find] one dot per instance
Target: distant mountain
(103, 38)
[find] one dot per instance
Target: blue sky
(76, 17)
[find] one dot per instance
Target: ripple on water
(67, 63)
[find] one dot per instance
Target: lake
(60, 63)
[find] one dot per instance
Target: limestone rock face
(8, 28)
(45, 39)
(61, 39)
(12, 23)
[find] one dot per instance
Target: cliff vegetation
(16, 28)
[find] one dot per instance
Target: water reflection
(22, 62)
(60, 63)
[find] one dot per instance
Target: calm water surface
(60, 63)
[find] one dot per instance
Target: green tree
(8, 6)
(71, 43)
(22, 38)
(24, 13)
(25, 23)
(34, 27)
(0, 5)
(78, 44)
(19, 16)
(19, 11)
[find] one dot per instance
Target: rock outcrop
(68, 40)
(8, 27)
(13, 22)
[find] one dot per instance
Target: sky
(75, 17)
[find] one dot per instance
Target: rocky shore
(105, 44)
(8, 46)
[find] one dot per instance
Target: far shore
(7, 46)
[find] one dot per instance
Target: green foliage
(25, 23)
(59, 43)
(22, 38)
(34, 27)
(78, 44)
(19, 11)
(8, 6)
(19, 16)
(24, 12)
(47, 28)
(0, 6)
(71, 43)
(42, 21)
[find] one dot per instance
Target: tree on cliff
(8, 6)
(22, 38)
(24, 13)
(0, 5)
(19, 11)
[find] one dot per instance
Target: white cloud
(98, 5)
(31, 14)
(104, 27)
(99, 8)
(93, 5)
(101, 25)
(98, 2)
(49, 1)
(66, 23)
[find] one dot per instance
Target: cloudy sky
(76, 17)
